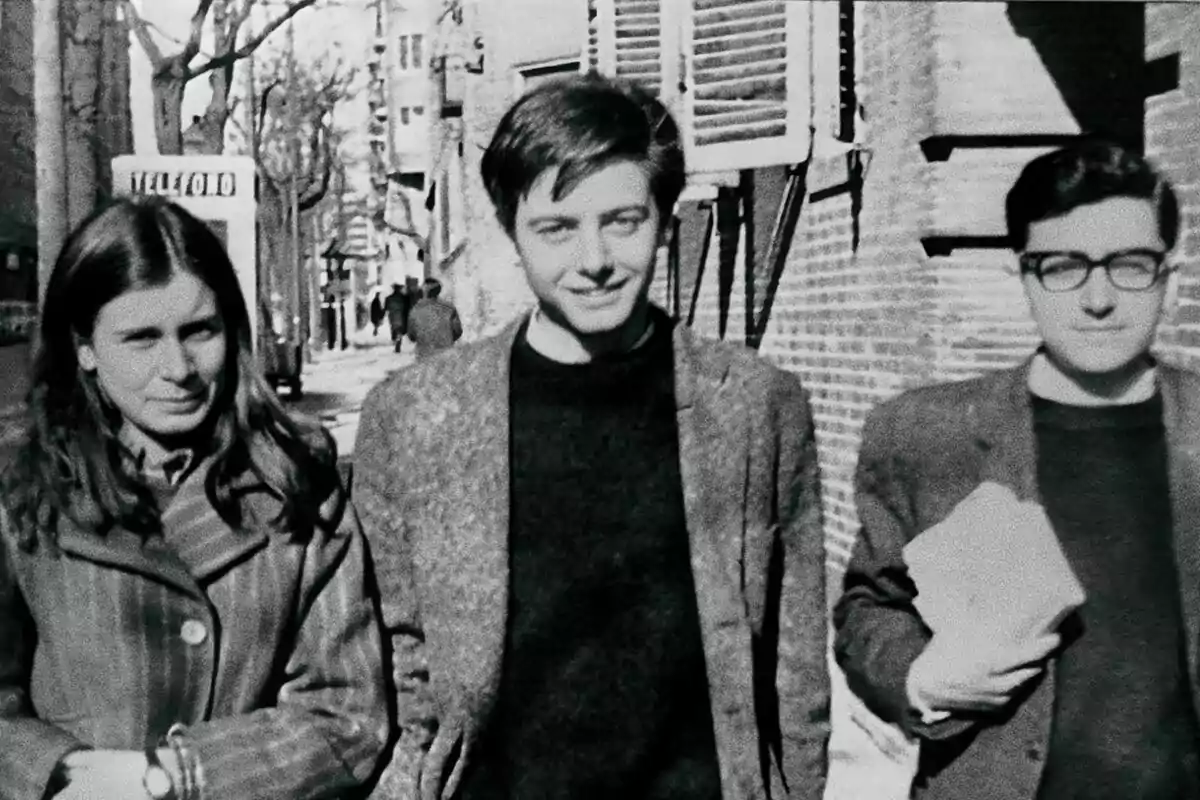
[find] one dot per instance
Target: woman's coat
(266, 648)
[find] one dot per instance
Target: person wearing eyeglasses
(1101, 440)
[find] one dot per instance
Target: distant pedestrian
(329, 319)
(397, 306)
(377, 313)
(433, 323)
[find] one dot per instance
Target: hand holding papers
(993, 585)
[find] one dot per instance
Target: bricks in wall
(860, 327)
(1173, 141)
(853, 325)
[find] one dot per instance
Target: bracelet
(189, 765)
(186, 792)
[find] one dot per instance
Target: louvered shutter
(595, 20)
(627, 40)
(747, 78)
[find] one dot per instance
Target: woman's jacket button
(193, 632)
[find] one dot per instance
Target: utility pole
(297, 286)
(50, 148)
(340, 225)
(264, 277)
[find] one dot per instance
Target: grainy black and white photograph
(653, 399)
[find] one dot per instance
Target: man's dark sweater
(603, 690)
(1123, 725)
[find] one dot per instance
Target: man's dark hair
(1084, 172)
(433, 287)
(581, 125)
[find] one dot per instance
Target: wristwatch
(157, 782)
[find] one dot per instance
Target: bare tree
(285, 120)
(293, 131)
(172, 72)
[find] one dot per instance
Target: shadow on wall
(1095, 53)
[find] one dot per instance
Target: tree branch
(262, 102)
(317, 195)
(452, 256)
(320, 139)
(195, 34)
(141, 29)
(408, 233)
(251, 44)
(243, 14)
(238, 126)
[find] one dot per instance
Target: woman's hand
(109, 774)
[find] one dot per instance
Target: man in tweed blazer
(598, 538)
(1106, 441)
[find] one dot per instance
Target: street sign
(217, 189)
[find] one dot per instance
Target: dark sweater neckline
(1052, 414)
(528, 360)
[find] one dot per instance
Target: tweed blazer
(432, 484)
(922, 453)
(266, 648)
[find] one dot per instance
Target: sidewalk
(337, 382)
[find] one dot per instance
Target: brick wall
(991, 82)
(852, 325)
(1173, 140)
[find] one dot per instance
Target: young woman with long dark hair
(183, 603)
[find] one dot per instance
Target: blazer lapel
(1181, 411)
(204, 542)
(1003, 424)
(713, 438)
(465, 532)
(713, 461)
(1003, 421)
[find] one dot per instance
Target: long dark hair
(71, 461)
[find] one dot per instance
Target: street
(336, 383)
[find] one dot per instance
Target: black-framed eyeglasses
(1133, 270)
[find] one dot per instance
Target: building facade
(400, 133)
(844, 212)
(485, 58)
(18, 208)
(18, 189)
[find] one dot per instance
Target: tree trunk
(83, 36)
(114, 126)
(220, 80)
(167, 87)
(50, 147)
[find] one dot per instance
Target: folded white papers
(993, 570)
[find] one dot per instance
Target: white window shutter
(601, 49)
(747, 77)
(638, 27)
(627, 40)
